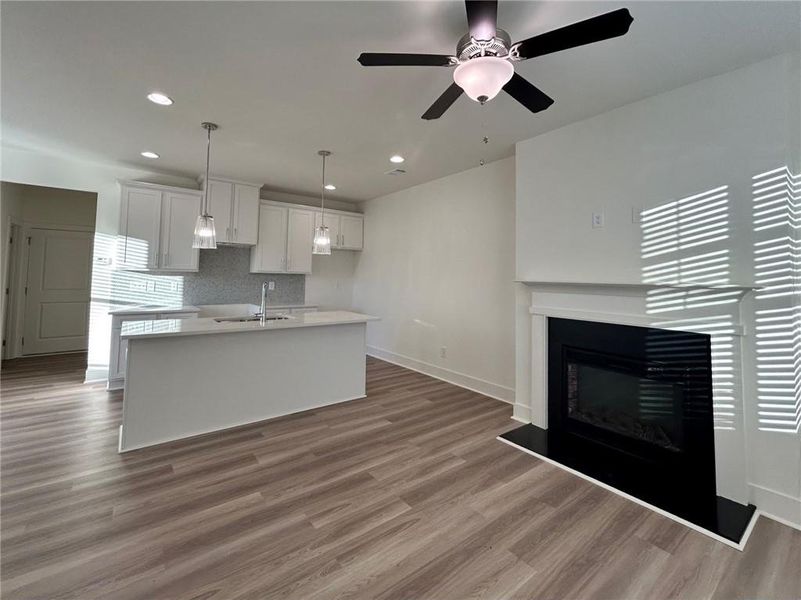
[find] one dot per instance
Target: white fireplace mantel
(628, 304)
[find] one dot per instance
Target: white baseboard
(522, 413)
(775, 505)
(94, 374)
(493, 390)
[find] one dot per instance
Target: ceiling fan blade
(482, 18)
(443, 103)
(378, 59)
(595, 29)
(527, 94)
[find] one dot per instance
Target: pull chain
(485, 137)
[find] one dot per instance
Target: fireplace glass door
(619, 396)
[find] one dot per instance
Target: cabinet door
(332, 222)
(119, 347)
(299, 243)
(351, 232)
(179, 214)
(140, 221)
(221, 202)
(246, 214)
(269, 254)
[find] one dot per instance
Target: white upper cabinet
(156, 228)
(221, 208)
(286, 236)
(178, 215)
(346, 229)
(246, 214)
(269, 255)
(332, 221)
(235, 208)
(351, 236)
(285, 240)
(140, 218)
(300, 239)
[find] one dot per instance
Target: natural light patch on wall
(685, 242)
(777, 271)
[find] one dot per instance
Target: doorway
(49, 271)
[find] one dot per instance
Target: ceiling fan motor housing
(468, 47)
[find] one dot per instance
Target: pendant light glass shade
(322, 241)
(205, 236)
(322, 237)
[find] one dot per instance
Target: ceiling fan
(485, 56)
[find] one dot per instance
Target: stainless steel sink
(251, 318)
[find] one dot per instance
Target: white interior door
(57, 291)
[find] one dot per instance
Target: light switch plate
(597, 220)
(271, 285)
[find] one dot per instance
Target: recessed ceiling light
(330, 186)
(149, 154)
(159, 98)
(396, 158)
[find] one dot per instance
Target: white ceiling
(281, 79)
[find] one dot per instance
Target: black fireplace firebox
(632, 407)
(638, 402)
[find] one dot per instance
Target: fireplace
(638, 401)
(632, 408)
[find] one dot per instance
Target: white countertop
(151, 309)
(186, 327)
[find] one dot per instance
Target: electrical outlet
(597, 220)
(271, 285)
(443, 352)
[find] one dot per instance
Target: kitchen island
(194, 376)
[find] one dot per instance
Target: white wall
(52, 206)
(717, 132)
(330, 284)
(438, 268)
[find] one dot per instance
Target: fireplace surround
(646, 458)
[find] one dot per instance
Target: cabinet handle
(166, 259)
(227, 233)
(342, 243)
(236, 235)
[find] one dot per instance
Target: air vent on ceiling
(396, 172)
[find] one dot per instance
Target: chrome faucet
(263, 314)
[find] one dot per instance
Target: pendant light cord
(208, 185)
(322, 197)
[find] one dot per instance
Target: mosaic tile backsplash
(222, 278)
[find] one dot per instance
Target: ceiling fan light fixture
(483, 77)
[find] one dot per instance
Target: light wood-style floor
(403, 495)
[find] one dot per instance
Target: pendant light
(322, 238)
(205, 236)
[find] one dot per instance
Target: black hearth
(632, 407)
